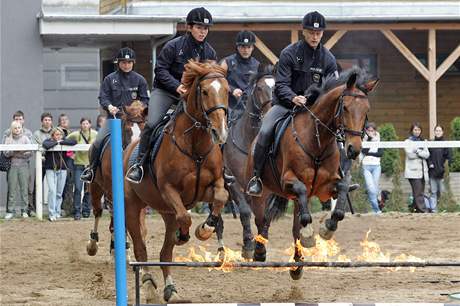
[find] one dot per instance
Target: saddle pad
(281, 126)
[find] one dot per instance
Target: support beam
(406, 53)
(266, 51)
(432, 118)
(448, 62)
(334, 39)
(294, 36)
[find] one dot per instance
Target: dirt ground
(44, 263)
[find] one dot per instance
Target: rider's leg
(160, 102)
(89, 172)
(264, 139)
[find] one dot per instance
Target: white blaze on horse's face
(136, 131)
(216, 85)
(270, 82)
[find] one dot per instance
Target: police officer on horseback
(301, 64)
(167, 89)
(241, 68)
(118, 89)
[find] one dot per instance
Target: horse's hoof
(181, 238)
(221, 254)
(247, 254)
(325, 233)
(305, 219)
(203, 232)
(297, 273)
(91, 247)
(170, 295)
(260, 256)
(307, 236)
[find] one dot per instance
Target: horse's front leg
(220, 197)
(297, 272)
(170, 294)
(328, 228)
(96, 196)
(247, 250)
(293, 185)
(184, 221)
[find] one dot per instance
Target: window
(367, 62)
(454, 69)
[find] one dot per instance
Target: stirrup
(133, 168)
(85, 173)
(253, 182)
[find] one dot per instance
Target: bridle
(205, 112)
(257, 104)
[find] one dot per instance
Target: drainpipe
(155, 43)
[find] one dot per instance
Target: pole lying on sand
(273, 264)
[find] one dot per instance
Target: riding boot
(136, 172)
(87, 175)
(255, 186)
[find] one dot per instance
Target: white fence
(84, 147)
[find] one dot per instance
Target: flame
(323, 251)
(261, 239)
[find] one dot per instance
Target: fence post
(118, 212)
(38, 185)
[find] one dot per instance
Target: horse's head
(351, 112)
(263, 90)
(133, 118)
(207, 98)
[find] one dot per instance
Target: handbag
(5, 162)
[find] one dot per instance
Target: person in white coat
(416, 170)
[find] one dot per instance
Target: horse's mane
(331, 82)
(194, 69)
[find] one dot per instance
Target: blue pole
(118, 212)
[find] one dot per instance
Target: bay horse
(101, 186)
(307, 163)
(241, 134)
(188, 168)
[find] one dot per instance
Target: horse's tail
(276, 208)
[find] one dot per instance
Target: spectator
(371, 166)
(100, 121)
(67, 194)
(19, 117)
(18, 174)
(85, 135)
(416, 170)
(39, 136)
(436, 161)
(55, 167)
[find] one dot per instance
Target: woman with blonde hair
(18, 175)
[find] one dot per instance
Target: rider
(118, 89)
(167, 89)
(301, 64)
(241, 67)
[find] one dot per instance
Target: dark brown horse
(255, 104)
(307, 163)
(188, 168)
(102, 183)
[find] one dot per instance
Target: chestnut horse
(307, 163)
(241, 134)
(188, 168)
(133, 114)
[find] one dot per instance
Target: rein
(339, 136)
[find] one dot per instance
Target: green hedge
(390, 156)
(455, 135)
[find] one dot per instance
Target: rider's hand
(181, 89)
(113, 110)
(299, 100)
(237, 93)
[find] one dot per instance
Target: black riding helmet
(314, 21)
(245, 38)
(200, 16)
(125, 54)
